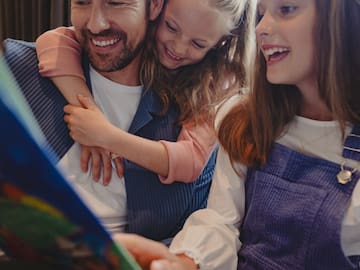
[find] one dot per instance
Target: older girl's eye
(287, 9)
(170, 27)
(260, 13)
(259, 16)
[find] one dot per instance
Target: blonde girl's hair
(196, 89)
(249, 130)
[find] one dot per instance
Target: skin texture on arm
(70, 87)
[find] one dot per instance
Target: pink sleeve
(188, 156)
(59, 53)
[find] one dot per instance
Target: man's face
(111, 32)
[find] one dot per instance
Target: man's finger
(85, 158)
(119, 165)
(107, 168)
(96, 164)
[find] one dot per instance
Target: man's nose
(98, 21)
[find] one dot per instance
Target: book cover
(43, 223)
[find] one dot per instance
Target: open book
(43, 223)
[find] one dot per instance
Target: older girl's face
(285, 36)
(187, 31)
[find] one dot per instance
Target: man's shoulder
(20, 54)
(18, 46)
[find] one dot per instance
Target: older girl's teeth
(270, 52)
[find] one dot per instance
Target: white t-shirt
(119, 104)
(210, 236)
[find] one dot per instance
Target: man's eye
(116, 3)
(81, 2)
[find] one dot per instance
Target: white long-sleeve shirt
(211, 236)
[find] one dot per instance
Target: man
(140, 203)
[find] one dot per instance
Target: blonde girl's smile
(172, 56)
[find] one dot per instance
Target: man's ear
(155, 9)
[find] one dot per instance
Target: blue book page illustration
(43, 223)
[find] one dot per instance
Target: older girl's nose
(265, 25)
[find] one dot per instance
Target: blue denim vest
(155, 210)
(294, 212)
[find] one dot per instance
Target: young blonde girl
(212, 68)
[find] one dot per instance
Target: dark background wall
(27, 19)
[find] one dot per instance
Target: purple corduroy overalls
(294, 212)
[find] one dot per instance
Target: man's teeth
(104, 43)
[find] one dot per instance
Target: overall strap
(352, 144)
(351, 150)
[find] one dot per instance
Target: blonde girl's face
(285, 36)
(187, 31)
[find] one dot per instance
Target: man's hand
(100, 163)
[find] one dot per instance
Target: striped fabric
(45, 101)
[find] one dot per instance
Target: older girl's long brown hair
(249, 131)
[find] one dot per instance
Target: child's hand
(87, 125)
